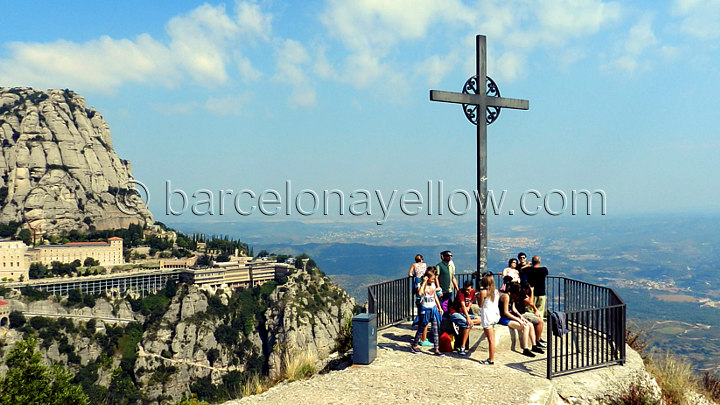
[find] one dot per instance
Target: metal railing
(595, 319)
(393, 301)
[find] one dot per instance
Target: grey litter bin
(364, 338)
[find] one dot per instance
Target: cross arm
(476, 99)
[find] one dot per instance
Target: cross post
(479, 103)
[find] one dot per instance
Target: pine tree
(29, 381)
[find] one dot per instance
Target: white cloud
(253, 21)
(228, 105)
(101, 65)
(436, 67)
(559, 19)
(640, 40)
(699, 18)
(291, 62)
(372, 30)
(377, 25)
(246, 69)
(199, 48)
(669, 52)
(225, 105)
(198, 42)
(322, 67)
(510, 64)
(641, 37)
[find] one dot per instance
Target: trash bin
(364, 338)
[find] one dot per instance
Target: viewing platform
(592, 318)
(398, 376)
(579, 366)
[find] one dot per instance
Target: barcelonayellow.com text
(431, 200)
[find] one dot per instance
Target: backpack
(446, 342)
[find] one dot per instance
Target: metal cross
(476, 106)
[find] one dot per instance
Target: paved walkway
(399, 377)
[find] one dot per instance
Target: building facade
(16, 256)
(14, 264)
(108, 253)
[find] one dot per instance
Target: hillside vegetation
(216, 345)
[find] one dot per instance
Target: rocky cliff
(58, 169)
(193, 340)
(214, 340)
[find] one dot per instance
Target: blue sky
(334, 95)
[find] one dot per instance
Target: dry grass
(711, 384)
(635, 394)
(254, 384)
(674, 376)
(298, 365)
(637, 340)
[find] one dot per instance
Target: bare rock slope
(58, 169)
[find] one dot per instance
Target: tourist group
(444, 307)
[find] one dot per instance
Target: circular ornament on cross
(470, 110)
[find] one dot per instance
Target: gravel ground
(398, 376)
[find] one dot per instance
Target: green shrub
(66, 348)
(205, 389)
(73, 358)
(67, 324)
(40, 322)
(233, 384)
(90, 327)
(33, 294)
(213, 355)
(87, 376)
(17, 319)
(225, 334)
(162, 374)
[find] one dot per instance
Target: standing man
(446, 276)
(536, 275)
(522, 266)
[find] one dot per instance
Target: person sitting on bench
(529, 311)
(460, 313)
(510, 317)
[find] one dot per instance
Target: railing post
(623, 325)
(550, 354)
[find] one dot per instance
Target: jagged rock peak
(58, 169)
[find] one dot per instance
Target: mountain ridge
(58, 169)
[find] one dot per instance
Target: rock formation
(58, 169)
(200, 341)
